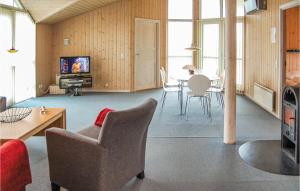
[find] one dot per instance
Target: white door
(146, 54)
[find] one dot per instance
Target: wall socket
(106, 85)
(40, 86)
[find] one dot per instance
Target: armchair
(15, 172)
(101, 159)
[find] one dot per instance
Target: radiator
(264, 96)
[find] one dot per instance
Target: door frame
(157, 77)
(281, 67)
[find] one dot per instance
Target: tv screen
(75, 65)
(250, 5)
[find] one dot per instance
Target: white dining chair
(167, 87)
(218, 89)
(198, 85)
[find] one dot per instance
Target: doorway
(289, 45)
(291, 50)
(146, 54)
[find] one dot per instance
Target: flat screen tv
(75, 65)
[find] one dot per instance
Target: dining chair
(198, 85)
(218, 89)
(167, 87)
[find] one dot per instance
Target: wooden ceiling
(53, 11)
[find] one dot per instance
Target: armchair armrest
(72, 157)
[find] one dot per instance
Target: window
(13, 3)
(212, 29)
(180, 37)
(17, 74)
(211, 47)
(239, 56)
(212, 39)
(210, 9)
(180, 9)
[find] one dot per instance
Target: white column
(230, 73)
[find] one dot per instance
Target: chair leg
(209, 108)
(162, 96)
(55, 187)
(222, 99)
(186, 102)
(164, 99)
(141, 175)
(187, 108)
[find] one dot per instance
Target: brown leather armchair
(101, 159)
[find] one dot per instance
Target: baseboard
(105, 90)
(273, 113)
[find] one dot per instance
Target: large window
(12, 3)
(180, 9)
(17, 74)
(212, 38)
(210, 47)
(179, 35)
(210, 9)
(212, 28)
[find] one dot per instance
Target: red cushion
(101, 116)
(14, 166)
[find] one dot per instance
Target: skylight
(12, 3)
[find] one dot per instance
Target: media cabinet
(75, 83)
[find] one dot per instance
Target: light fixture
(13, 28)
(12, 50)
(193, 48)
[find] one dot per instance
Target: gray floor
(181, 155)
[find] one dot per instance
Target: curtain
(17, 71)
(6, 80)
(25, 58)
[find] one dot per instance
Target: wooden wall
(107, 35)
(292, 39)
(43, 56)
(261, 55)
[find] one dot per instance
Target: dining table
(182, 78)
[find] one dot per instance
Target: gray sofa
(101, 159)
(2, 103)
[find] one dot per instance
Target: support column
(196, 32)
(230, 73)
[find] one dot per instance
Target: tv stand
(75, 83)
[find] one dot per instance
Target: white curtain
(25, 58)
(6, 83)
(17, 71)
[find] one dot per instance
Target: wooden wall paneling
(107, 35)
(262, 56)
(43, 56)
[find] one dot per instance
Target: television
(75, 65)
(252, 6)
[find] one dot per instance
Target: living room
(149, 95)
